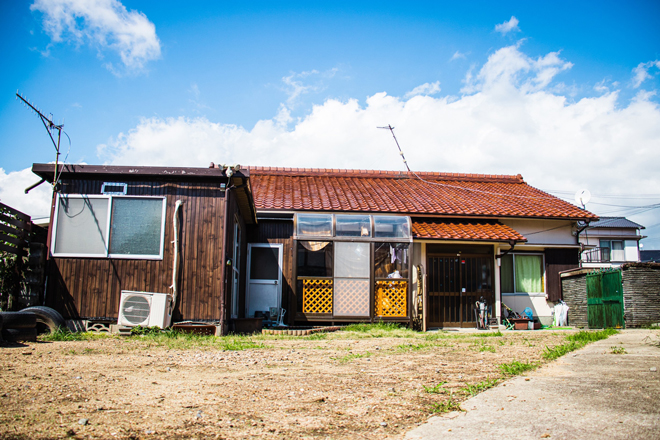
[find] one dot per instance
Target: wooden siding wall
(82, 288)
(276, 231)
(558, 260)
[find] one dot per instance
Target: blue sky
(564, 93)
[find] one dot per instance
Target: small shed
(166, 230)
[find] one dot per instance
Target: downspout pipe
(175, 262)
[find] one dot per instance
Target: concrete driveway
(588, 394)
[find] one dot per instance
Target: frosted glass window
(314, 225)
(81, 226)
(391, 227)
(353, 226)
(351, 297)
(136, 226)
(352, 260)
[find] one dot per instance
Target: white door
(264, 277)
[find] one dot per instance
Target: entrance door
(264, 277)
(455, 284)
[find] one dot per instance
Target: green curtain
(506, 271)
(529, 273)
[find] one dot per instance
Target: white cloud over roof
(104, 24)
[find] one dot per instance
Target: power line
(446, 185)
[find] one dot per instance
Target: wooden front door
(455, 284)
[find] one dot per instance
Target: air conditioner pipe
(175, 263)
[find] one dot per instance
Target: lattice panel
(317, 296)
(391, 298)
(351, 297)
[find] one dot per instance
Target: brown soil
(338, 387)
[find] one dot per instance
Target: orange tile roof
(464, 230)
(452, 194)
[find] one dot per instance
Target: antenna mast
(50, 127)
(405, 162)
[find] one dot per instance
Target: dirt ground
(339, 385)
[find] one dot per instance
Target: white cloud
(424, 89)
(312, 81)
(12, 192)
(514, 120)
(509, 68)
(507, 26)
(641, 72)
(457, 55)
(105, 24)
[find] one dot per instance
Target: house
(326, 245)
(610, 242)
(113, 228)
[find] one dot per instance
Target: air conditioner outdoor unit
(145, 308)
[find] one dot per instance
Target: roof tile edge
(336, 172)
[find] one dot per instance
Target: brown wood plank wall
(278, 231)
(91, 287)
(558, 260)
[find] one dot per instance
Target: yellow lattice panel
(317, 296)
(391, 298)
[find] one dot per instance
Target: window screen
(314, 225)
(81, 226)
(264, 263)
(136, 226)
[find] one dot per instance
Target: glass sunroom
(352, 267)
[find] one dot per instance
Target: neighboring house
(610, 242)
(650, 256)
(327, 245)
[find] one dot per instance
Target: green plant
(64, 334)
(487, 348)
(415, 347)
(446, 406)
(138, 330)
(516, 367)
(317, 336)
(652, 327)
(366, 328)
(475, 389)
(438, 389)
(617, 350)
(577, 341)
(496, 334)
(351, 356)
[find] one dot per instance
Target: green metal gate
(605, 299)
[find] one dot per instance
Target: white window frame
(107, 253)
(513, 267)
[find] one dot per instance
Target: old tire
(48, 320)
(18, 320)
(19, 334)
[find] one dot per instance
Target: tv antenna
(50, 128)
(405, 162)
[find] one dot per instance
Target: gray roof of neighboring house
(614, 222)
(649, 256)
